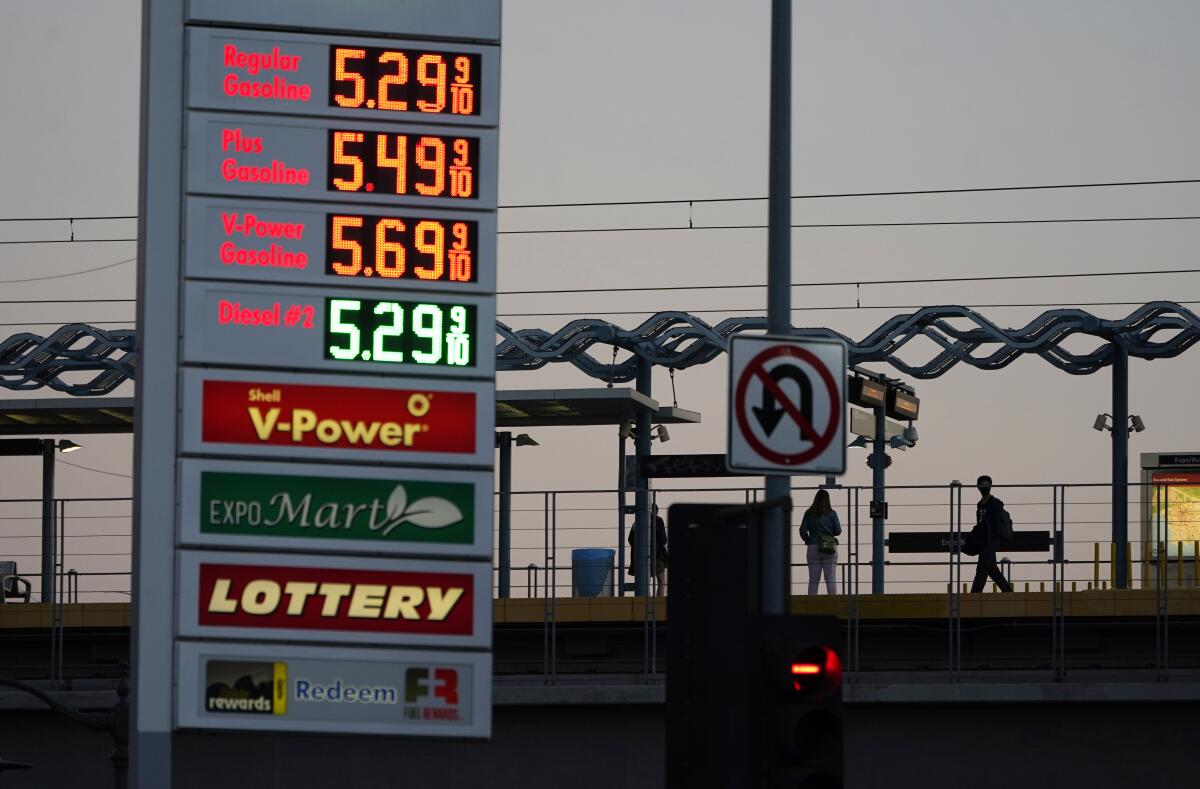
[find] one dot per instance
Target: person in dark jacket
(658, 550)
(989, 514)
(819, 530)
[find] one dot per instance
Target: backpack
(1006, 529)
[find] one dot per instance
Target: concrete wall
(585, 747)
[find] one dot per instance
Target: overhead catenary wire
(847, 283)
(69, 273)
(752, 312)
(745, 199)
(32, 241)
(96, 470)
(819, 225)
(836, 195)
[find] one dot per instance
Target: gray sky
(645, 100)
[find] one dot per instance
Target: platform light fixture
(1103, 422)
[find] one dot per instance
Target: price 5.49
(402, 164)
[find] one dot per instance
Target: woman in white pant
(819, 530)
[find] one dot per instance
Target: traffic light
(799, 698)
(711, 678)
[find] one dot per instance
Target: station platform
(1109, 603)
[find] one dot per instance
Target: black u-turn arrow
(770, 412)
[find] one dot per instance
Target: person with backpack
(819, 530)
(992, 524)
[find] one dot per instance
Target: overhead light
(1136, 424)
(899, 442)
(525, 440)
(66, 445)
(626, 429)
(860, 441)
(910, 433)
(1101, 423)
(660, 432)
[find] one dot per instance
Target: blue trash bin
(592, 572)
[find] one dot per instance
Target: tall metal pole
(642, 522)
(776, 556)
(619, 581)
(1120, 461)
(47, 520)
(504, 442)
(878, 495)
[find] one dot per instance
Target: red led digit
(383, 247)
(398, 162)
(399, 78)
(460, 254)
(435, 164)
(339, 241)
(462, 182)
(431, 72)
(340, 157)
(430, 239)
(342, 74)
(462, 92)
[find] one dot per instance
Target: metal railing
(92, 539)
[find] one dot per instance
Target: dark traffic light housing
(800, 702)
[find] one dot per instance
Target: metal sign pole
(775, 545)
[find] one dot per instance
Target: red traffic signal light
(799, 712)
(816, 673)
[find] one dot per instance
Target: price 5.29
(400, 332)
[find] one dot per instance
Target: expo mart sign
(398, 510)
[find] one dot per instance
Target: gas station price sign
(298, 328)
(262, 71)
(338, 243)
(307, 159)
(394, 332)
(404, 80)
(428, 165)
(395, 248)
(325, 244)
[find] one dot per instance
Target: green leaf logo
(430, 512)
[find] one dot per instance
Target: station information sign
(317, 374)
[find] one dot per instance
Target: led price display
(404, 80)
(402, 164)
(400, 332)
(394, 247)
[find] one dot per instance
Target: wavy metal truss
(678, 340)
(1158, 330)
(76, 359)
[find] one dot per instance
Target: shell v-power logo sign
(398, 420)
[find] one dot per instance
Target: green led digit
(394, 330)
(458, 319)
(427, 324)
(339, 326)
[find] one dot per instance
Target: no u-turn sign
(787, 405)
